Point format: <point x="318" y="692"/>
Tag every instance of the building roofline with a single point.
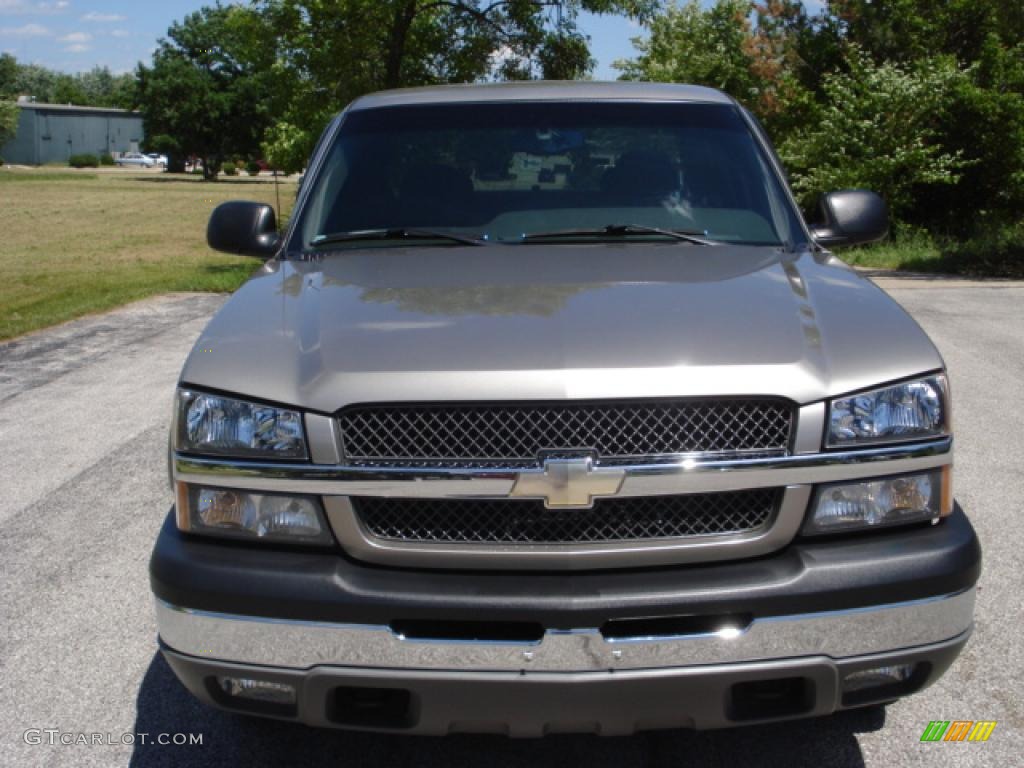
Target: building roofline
<point x="76" y="108"/>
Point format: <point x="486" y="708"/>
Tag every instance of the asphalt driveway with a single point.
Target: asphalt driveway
<point x="83" y="430"/>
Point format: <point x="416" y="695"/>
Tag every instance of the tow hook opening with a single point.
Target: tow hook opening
<point x="772" y="698"/>
<point x="371" y="707"/>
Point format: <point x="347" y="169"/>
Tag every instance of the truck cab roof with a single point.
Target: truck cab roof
<point x="545" y="90"/>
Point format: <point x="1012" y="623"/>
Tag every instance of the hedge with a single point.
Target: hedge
<point x="84" y="161"/>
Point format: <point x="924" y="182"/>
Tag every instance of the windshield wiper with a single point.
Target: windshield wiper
<point x="395" y="233"/>
<point x="621" y="230"/>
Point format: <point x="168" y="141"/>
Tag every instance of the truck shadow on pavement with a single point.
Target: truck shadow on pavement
<point x="165" y="707"/>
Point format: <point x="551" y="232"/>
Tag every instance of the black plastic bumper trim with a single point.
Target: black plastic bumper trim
<point x="807" y="576"/>
<point x="537" y="704"/>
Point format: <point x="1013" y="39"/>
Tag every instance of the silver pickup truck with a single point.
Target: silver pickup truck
<point x="548" y="412"/>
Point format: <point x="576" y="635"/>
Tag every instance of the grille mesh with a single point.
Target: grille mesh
<point x="529" y="522"/>
<point x="468" y="435"/>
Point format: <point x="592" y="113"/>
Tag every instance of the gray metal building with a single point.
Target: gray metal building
<point x="51" y="133"/>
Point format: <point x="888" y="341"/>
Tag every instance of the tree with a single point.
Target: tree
<point x="101" y="88"/>
<point x="67" y="90"/>
<point x="984" y="124"/>
<point x="33" y="80"/>
<point x="210" y="89"/>
<point x="98" y="87"/>
<point x="910" y="30"/>
<point x="8" y="121"/>
<point x="332" y="52"/>
<point x="983" y="119"/>
<point x="8" y="90"/>
<point x="689" y="44"/>
<point x="743" y="48"/>
<point x="8" y="76"/>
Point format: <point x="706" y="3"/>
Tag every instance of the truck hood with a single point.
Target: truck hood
<point x="526" y="322"/>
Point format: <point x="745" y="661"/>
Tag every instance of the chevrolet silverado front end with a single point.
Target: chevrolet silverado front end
<point x="548" y="413"/>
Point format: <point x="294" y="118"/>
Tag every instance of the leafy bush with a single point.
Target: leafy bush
<point x="228" y="168"/>
<point x="84" y="160"/>
<point x="1" y="162"/>
<point x="876" y="129"/>
<point x="106" y="159"/>
<point x="252" y="168"/>
<point x="995" y="253"/>
<point x="287" y="146"/>
<point x="985" y="124"/>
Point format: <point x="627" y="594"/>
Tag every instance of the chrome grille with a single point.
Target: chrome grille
<point x="521" y="434"/>
<point x="470" y="521"/>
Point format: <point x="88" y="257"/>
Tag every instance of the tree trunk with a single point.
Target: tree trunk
<point x="211" y="165"/>
<point x="404" y="15"/>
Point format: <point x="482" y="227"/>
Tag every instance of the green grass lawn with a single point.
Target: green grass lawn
<point x="915" y="254"/>
<point x="916" y="257"/>
<point x="82" y="242"/>
<point x="996" y="252"/>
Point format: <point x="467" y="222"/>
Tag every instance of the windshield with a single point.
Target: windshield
<point x="510" y="171"/>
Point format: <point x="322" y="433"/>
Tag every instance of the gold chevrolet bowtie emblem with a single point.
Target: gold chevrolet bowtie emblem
<point x="571" y="482"/>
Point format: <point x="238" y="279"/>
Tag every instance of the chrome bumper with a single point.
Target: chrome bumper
<point x="306" y="644"/>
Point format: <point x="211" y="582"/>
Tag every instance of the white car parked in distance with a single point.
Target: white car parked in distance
<point x="135" y="158"/>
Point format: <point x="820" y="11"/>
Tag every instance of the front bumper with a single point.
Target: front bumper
<point x="794" y="623"/>
<point x="611" y="703"/>
<point x="307" y="644"/>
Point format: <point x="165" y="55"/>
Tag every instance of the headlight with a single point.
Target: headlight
<point x="911" y="410"/>
<point x="902" y="499"/>
<point x="224" y="426"/>
<point x="244" y="515"/>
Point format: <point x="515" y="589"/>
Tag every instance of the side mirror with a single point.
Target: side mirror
<point x="851" y="217"/>
<point x="245" y="228"/>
